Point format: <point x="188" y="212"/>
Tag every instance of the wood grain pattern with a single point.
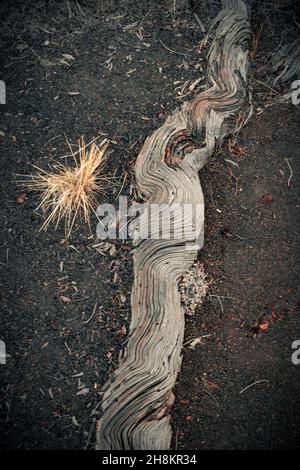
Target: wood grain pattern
<point x="138" y="397"/>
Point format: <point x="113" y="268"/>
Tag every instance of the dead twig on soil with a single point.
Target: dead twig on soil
<point x="198" y="340"/>
<point x="219" y="300"/>
<point x="291" y="171"/>
<point x="171" y="50"/>
<point x="251" y="385"/>
<point x="211" y="396"/>
<point x="176" y="439"/>
<point x="267" y="86"/>
<point x="122" y="186"/>
<point x="93" y="313"/>
<point x="199" y="22"/>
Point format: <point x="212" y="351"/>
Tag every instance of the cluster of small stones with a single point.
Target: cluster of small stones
<point x="193" y="288"/>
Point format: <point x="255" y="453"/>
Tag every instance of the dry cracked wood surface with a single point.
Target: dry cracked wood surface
<point x="138" y="397"/>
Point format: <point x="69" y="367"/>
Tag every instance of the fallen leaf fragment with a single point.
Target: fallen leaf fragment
<point x="20" y="199"/>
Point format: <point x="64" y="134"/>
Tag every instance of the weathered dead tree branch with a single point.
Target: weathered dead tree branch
<point x="138" y="397"/>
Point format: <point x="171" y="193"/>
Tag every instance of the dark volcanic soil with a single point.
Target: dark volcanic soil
<point x="66" y="307"/>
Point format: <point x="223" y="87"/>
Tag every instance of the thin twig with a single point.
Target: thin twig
<point x="201" y="25"/>
<point x="221" y="296"/>
<point x="254" y="383"/>
<point x="203" y="43"/>
<point x="122" y="186"/>
<point x="211" y="395"/>
<point x="291" y="171"/>
<point x="220" y="302"/>
<point x="267" y="86"/>
<point x="171" y="50"/>
<point x="94" y="310"/>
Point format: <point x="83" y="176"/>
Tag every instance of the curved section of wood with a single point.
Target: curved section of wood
<point x="138" y="397"/>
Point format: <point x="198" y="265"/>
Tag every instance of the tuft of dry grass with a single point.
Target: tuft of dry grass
<point x="69" y="192"/>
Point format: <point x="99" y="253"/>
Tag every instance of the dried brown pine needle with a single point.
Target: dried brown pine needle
<point x="68" y="192"/>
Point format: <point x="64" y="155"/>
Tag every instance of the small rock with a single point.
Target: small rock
<point x="20" y="199"/>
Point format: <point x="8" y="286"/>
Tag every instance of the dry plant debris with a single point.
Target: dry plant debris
<point x="70" y="191"/>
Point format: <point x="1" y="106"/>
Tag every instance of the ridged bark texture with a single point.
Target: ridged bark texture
<point x="138" y="397"/>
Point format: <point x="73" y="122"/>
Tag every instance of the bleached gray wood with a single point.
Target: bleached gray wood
<point x="138" y="397"/>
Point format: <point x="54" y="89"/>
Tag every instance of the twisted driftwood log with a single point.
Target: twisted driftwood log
<point x="138" y="397"/>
